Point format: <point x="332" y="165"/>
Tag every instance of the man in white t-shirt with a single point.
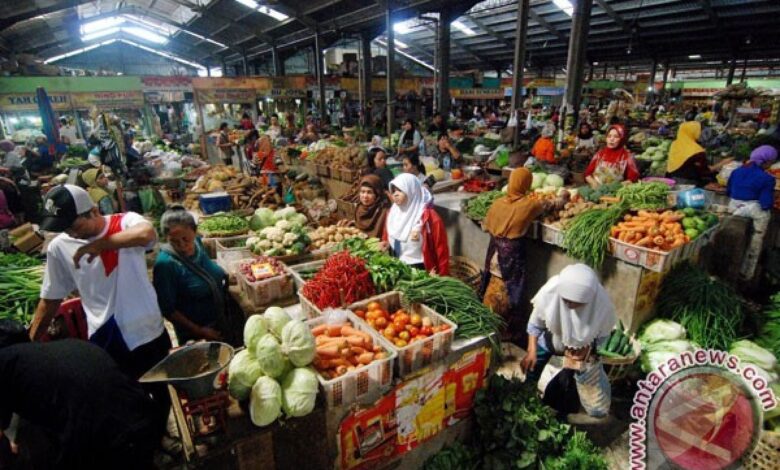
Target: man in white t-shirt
<point x="102" y="257"/>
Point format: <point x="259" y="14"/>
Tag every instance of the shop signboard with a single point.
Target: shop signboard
<point x="12" y="102"/>
<point x="604" y="84"/>
<point x="104" y="100"/>
<point x="749" y="111"/>
<point x="477" y="93"/>
<point x="231" y="83"/>
<point x="702" y="92"/>
<point x="288" y="93"/>
<point x="166" y="84"/>
<point x="157" y="97"/>
<point x="549" y="91"/>
<point x="225" y="95"/>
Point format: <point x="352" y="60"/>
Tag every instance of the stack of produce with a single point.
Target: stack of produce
<point x="769" y="335"/>
<point x="321" y="210"/>
<point x="261" y="268"/>
<point x="280" y="233"/>
<point x="348" y="158"/>
<point x="595" y="195"/>
<point x="400" y="327"/>
<point x="21" y="277"/>
<point x="561" y="219"/>
<point x="272" y="372"/>
<point x="543" y="182"/>
<point x="709" y="310"/>
<point x="223" y="225"/>
<point x="70" y="162"/>
<point x="516" y="430"/>
<point x="641" y="195"/>
<point x="656" y="151"/>
<point x="342" y="280"/>
<point x="327" y="238"/>
<point x="386" y="271"/>
<point x="455" y="300"/>
<point x="477" y="207"/>
<point x="657" y="231"/>
<point x="765" y="363"/>
<point x="587" y="236"/>
<point x="618" y="345"/>
<point x="342" y="349"/>
<point x="249" y="192"/>
<point x="661" y="340"/>
<point x="216" y="178"/>
<point x="696" y="222"/>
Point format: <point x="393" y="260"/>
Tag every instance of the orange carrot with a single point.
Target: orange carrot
<point x="319" y="329"/>
<point x="358" y="341"/>
<point x="347" y="330"/>
<point x="358" y="350"/>
<point x="327" y="351"/>
<point x="366" y="358"/>
<point x="335" y="330"/>
<point x="380" y="355"/>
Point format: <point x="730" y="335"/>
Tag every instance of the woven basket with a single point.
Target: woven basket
<point x="766" y="455"/>
<point x="467" y="271"/>
<point x="617" y="368"/>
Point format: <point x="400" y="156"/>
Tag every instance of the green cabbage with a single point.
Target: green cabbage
<point x="298" y="219"/>
<point x="750" y="352"/>
<point x="298" y="343"/>
<point x="269" y="355"/>
<point x="662" y="330"/>
<point x="675" y="346"/>
<point x="277" y="318"/>
<point x="255" y="328"/>
<point x="263" y="217"/>
<point x="299" y="392"/>
<point x="651" y="361"/>
<point x="284" y="213"/>
<point x="538" y="180"/>
<point x="266" y="401"/>
<point x="553" y="180"/>
<point x="243" y="372"/>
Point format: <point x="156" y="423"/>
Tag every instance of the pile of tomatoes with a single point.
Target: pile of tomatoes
<point x="400" y="328"/>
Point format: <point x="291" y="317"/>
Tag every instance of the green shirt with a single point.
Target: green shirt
<point x="178" y="288"/>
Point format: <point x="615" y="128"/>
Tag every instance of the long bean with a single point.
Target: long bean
<point x="21" y="277"/>
<point x="587" y="236"/>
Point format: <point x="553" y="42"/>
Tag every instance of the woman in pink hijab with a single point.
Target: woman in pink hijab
<point x="7" y="219"/>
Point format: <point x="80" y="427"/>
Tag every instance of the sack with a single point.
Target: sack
<point x="559" y="388"/>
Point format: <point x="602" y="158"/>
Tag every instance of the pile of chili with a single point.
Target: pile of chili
<point x="343" y="280"/>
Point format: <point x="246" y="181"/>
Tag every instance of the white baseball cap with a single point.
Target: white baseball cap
<point x="63" y="204"/>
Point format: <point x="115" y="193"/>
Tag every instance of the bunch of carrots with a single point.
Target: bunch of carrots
<point x="342" y="348"/>
<point x="659" y="231"/>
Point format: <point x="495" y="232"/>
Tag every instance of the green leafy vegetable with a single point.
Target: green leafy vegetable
<point x="645" y="195"/>
<point x="223" y="225"/>
<point x="587" y="236"/>
<point x="21" y="277"/>
<point x="477" y="207"/>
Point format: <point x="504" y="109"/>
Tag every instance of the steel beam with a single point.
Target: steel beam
<point x="390" y="74"/>
<point x="320" y="74"/>
<point x="578" y="43"/>
<point x="521" y="35"/>
<point x="443" y="39"/>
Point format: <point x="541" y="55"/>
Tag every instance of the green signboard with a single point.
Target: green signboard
<point x="69" y="84"/>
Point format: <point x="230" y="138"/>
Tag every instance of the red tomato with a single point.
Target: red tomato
<point x="371" y="323"/>
<point x="416" y="320"/>
<point x="400" y="343"/>
<point x="374" y="306"/>
<point x="413" y="330"/>
<point x="404" y="335"/>
<point x="389" y="332"/>
<point x="381" y="322"/>
<point x="426" y="331"/>
<point x="360" y="313"/>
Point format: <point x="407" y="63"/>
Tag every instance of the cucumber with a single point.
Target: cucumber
<point x="627" y="349"/>
<point x="605" y="353"/>
<point x="614" y="340"/>
<point x="622" y="344"/>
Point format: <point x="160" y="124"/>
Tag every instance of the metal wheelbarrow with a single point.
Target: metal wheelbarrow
<point x="192" y="369"/>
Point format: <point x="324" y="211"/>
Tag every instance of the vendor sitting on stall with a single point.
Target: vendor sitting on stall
<point x="415" y="232"/>
<point x="507" y="221"/>
<point x="190" y="286"/>
<point x="572" y="315"/>
<point x="585" y="140"/>
<point x="39" y="161"/>
<point x="448" y="156"/>
<point x="409" y="142"/>
<point x="371" y="212"/>
<point x="225" y="145"/>
<point x="751" y="190"/>
<point x="544" y="148"/>
<point x="97" y="185"/>
<point x="613" y="163"/>
<point x="246" y="122"/>
<point x="438" y="125"/>
<point x="309" y="134"/>
<point x="687" y="162"/>
<point x="377" y="165"/>
<point x="274" y="129"/>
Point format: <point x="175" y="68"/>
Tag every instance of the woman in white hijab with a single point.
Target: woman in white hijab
<point x="414" y="230"/>
<point x="572" y="316"/>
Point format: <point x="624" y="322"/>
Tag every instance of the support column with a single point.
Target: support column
<point x="390" y="68"/>
<point x="651" y="93"/>
<point x="521" y="37"/>
<point x="278" y="68"/>
<point x="744" y="70"/>
<point x="245" y="65"/>
<point x="604" y="76"/>
<point x="590" y="73"/>
<point x="320" y="74"/>
<point x="365" y="68"/>
<point x="578" y="42"/>
<point x="666" y="79"/>
<point x="443" y="52"/>
<point x="732" y="69"/>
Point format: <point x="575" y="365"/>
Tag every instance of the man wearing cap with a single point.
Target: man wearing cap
<point x="102" y="257"/>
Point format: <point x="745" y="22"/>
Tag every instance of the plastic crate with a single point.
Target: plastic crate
<point x="296" y="270"/>
<point x="261" y="293"/>
<point x="307" y="307"/>
<point x="215" y="202"/>
<point x="657" y="260"/>
<point x="210" y="243"/>
<point x="367" y="380"/>
<point x="552" y="235"/>
<point x="419" y="354"/>
<point x="228" y="255"/>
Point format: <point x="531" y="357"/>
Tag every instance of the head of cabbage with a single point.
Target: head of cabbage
<point x="299" y="392"/>
<point x="269" y="356"/>
<point x="263" y="217"/>
<point x="662" y="330"/>
<point x="243" y="372"/>
<point x="298" y="343"/>
<point x="277" y="318"/>
<point x="255" y="328"/>
<point x="265" y="404"/>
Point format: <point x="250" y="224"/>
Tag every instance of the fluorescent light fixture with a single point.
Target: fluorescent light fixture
<point x="99" y="34"/>
<point x="215" y="72"/>
<point x="78" y="51"/>
<point x="268" y="11"/>
<point x="92" y="26"/>
<point x="404" y="27"/>
<point x="595" y="63"/>
<point x="408" y="56"/>
<point x="457" y="24"/>
<point x="277" y="15"/>
<point x="144" y="33"/>
<point x="204" y="38"/>
<point x="694" y="56"/>
<point x="564" y="5"/>
<point x="649" y="88"/>
<point x="163" y="54"/>
<point x="400" y="44"/>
